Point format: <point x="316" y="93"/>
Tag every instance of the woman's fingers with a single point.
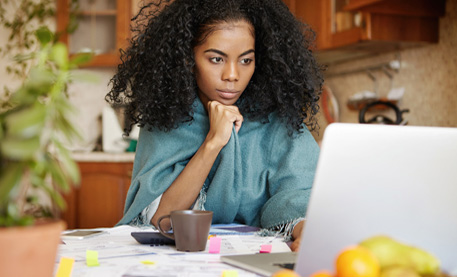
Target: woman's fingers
<point x="232" y="113"/>
<point x="222" y="119"/>
<point x="295" y="246"/>
<point x="238" y="122"/>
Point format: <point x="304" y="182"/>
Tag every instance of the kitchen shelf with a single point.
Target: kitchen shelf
<point x="351" y="29"/>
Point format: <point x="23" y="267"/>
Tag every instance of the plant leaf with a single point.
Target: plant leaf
<point x="58" y="199"/>
<point x="54" y="195"/>
<point x="13" y="217"/>
<point x="24" y="57"/>
<point x="21" y="149"/>
<point x="67" y="128"/>
<point x="40" y="81"/>
<point x="27" y="122"/>
<point x="44" y="35"/>
<point x="59" y="54"/>
<point x="68" y="164"/>
<point x="81" y="58"/>
<point x="10" y="177"/>
<point x="58" y="175"/>
<point x="1" y="128"/>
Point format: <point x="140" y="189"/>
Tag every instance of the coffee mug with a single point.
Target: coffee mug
<point x="190" y="229"/>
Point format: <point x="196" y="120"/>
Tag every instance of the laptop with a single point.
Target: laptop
<point x="399" y="181"/>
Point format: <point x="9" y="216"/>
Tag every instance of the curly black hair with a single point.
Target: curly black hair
<point x="155" y="78"/>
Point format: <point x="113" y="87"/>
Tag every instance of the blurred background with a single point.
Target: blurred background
<point x="386" y="62"/>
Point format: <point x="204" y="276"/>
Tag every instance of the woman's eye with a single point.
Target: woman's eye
<point x="216" y="60"/>
<point x="246" y="61"/>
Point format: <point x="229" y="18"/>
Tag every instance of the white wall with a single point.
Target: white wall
<point x="89" y="98"/>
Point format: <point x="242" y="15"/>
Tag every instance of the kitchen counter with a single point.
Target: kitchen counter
<point x="103" y="157"/>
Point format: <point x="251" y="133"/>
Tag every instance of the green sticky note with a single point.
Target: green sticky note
<point x="229" y="273"/>
<point x="65" y="267"/>
<point x="92" y="258"/>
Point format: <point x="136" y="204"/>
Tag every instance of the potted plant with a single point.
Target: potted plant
<point x="35" y="166"/>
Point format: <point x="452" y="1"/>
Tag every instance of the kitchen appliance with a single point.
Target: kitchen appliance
<point x="381" y="118"/>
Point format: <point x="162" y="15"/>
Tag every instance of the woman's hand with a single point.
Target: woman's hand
<point x="296" y="235"/>
<point x="221" y="119"/>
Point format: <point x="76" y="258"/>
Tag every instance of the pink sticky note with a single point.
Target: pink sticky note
<point x="215" y="245"/>
<point x="265" y="248"/>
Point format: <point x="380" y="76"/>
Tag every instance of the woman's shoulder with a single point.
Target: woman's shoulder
<point x="274" y="127"/>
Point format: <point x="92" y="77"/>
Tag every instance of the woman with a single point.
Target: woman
<point x="225" y="93"/>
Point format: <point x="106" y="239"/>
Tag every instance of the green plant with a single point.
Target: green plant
<point x="22" y="18"/>
<point x="34" y="163"/>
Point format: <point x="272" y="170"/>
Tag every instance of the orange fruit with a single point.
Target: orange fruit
<point x="285" y="273"/>
<point x="322" y="273"/>
<point x="357" y="261"/>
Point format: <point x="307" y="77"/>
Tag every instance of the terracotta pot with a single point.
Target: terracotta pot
<point x="31" y="250"/>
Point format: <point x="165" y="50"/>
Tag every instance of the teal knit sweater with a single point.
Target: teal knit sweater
<point x="262" y="177"/>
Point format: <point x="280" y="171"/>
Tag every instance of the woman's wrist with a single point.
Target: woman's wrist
<point x="212" y="144"/>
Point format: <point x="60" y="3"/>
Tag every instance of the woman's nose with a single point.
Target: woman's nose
<point x="230" y="72"/>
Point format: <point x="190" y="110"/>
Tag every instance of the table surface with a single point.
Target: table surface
<point x="119" y="254"/>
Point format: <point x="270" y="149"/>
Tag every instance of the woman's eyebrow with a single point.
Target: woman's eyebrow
<point x="225" y="55"/>
<point x="216" y="51"/>
<point x="247" y="52"/>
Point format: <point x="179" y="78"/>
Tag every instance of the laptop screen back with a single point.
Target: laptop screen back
<point x="399" y="181"/>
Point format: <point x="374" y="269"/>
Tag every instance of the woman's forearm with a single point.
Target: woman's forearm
<point x="183" y="192"/>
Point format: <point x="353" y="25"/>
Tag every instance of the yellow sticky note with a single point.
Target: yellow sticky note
<point x="92" y="258"/>
<point x="229" y="273"/>
<point x="65" y="267"/>
<point x="147" y="262"/>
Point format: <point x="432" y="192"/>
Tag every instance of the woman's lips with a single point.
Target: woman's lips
<point x="228" y="94"/>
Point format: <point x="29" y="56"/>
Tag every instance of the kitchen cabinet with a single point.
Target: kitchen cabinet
<point x="103" y="26"/>
<point x="348" y="29"/>
<point x="99" y="200"/>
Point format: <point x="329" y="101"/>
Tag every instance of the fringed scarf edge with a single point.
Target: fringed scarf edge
<point x="283" y="229"/>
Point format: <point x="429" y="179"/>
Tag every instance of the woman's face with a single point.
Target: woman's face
<point x="225" y="62"/>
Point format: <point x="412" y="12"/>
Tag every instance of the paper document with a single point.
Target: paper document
<point x="119" y="254"/>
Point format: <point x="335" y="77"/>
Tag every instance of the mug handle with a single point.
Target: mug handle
<point x="168" y="235"/>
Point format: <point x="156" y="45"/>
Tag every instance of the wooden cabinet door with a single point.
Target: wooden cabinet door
<point x="103" y="26"/>
<point x="348" y="29"/>
<point x="99" y="200"/>
<point x="317" y="14"/>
